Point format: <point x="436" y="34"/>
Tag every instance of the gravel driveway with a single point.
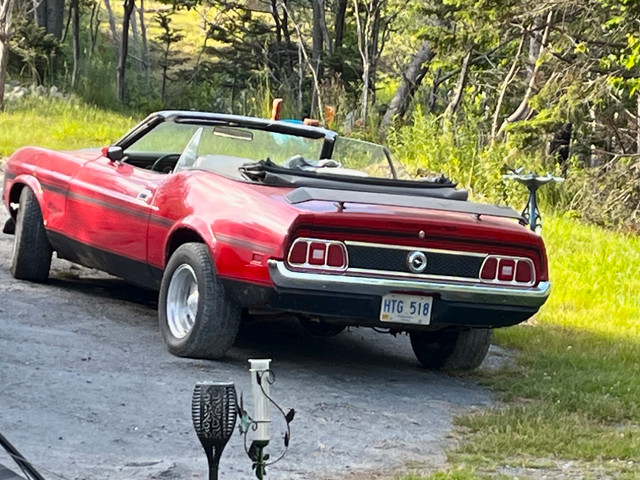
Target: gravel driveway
<point x="89" y="391"/>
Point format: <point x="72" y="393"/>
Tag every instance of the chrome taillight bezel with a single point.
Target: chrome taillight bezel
<point x="500" y="259"/>
<point x="307" y="265"/>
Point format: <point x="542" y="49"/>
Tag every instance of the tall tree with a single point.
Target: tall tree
<point x="50" y="15"/>
<point x="320" y="41"/>
<point x="129" y="6"/>
<point x="6" y="8"/>
<point x="74" y="12"/>
<point x="410" y="80"/>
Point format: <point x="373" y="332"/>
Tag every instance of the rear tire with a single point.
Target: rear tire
<point x="31" y="249"/>
<point x="196" y="317"/>
<point x="451" y="349"/>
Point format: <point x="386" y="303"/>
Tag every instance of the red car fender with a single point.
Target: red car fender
<point x="184" y="231"/>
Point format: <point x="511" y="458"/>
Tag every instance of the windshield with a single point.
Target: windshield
<point x="226" y="148"/>
<point x="370" y="158"/>
<point x="250" y="144"/>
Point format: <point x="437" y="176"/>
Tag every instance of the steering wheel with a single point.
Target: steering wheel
<point x="166" y="156"/>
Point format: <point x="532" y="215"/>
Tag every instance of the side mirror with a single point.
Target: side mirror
<point x="113" y="153"/>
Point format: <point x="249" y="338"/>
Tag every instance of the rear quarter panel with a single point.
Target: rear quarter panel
<point x="243" y="224"/>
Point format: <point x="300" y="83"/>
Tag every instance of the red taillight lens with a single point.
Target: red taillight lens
<point x="506" y="270"/>
<point x="317" y="253"/>
<point x="489" y="269"/>
<point x="298" y="253"/>
<point x="336" y="256"/>
<point x="524" y="272"/>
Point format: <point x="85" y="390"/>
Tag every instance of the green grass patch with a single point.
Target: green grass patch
<point x="572" y="396"/>
<point x="58" y="124"/>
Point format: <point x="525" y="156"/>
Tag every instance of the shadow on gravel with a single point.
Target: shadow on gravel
<point x="285" y="339"/>
<point x="353" y="348"/>
<point x="109" y="287"/>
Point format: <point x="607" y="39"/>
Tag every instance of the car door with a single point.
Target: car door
<point x="107" y="211"/>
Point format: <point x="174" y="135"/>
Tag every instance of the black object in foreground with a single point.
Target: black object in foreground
<point x="24" y="465"/>
<point x="214" y="411"/>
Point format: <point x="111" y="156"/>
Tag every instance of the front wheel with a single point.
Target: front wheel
<point x="460" y="349"/>
<point x="196" y="317"/>
<point x="31" y="249"/>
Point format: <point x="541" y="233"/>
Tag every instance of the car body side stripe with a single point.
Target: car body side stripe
<point x="165" y="222"/>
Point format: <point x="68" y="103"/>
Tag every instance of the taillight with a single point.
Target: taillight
<point x="524" y="272"/>
<point x="318" y="254"/>
<point x="507" y="270"/>
<point x="298" y="253"/>
<point x="489" y="269"/>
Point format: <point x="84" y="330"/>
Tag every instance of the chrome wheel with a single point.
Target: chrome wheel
<point x="195" y="316"/>
<point x="182" y="301"/>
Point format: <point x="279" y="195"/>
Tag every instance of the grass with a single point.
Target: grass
<point x="58" y="125"/>
<point x="572" y="396"/>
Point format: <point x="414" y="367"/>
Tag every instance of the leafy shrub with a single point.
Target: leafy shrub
<point x="428" y="146"/>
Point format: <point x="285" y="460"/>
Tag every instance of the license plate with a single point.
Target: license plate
<point x="411" y="309"/>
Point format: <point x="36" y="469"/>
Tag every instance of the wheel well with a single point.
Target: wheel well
<point x="180" y="237"/>
<point x="14" y="197"/>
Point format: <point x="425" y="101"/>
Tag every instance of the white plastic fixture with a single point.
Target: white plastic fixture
<point x="261" y="405"/>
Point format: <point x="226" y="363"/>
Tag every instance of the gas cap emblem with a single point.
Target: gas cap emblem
<point x="417" y="262"/>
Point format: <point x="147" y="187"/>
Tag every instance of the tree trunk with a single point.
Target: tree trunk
<point x="94" y="25"/>
<point x="6" y="7"/>
<point x="317" y="46"/>
<point x="278" y="48"/>
<point x="165" y="67"/>
<point x="122" y="63"/>
<point x="113" y="28"/>
<point x="75" y="8"/>
<point x="462" y="81"/>
<point x="523" y="108"/>
<point x="411" y="79"/>
<point x="136" y="41"/>
<point x="146" y="56"/>
<point x="638" y="122"/>
<point x="366" y="65"/>
<point x="374" y="52"/>
<point x="50" y="15"/>
<point x="503" y="90"/>
<point x="341" y="9"/>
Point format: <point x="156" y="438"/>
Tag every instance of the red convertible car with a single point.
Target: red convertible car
<point x="233" y="217"/>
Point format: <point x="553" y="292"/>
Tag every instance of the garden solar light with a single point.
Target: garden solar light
<point x="214" y="408"/>
<point x="261" y="406"/>
<point x="259" y="424"/>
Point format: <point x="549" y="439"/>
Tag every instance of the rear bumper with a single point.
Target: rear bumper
<point x="357" y="300"/>
<point x="478" y="294"/>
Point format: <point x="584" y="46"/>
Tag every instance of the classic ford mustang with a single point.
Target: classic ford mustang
<point x="233" y="217"/>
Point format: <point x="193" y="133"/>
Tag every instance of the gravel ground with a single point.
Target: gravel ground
<point x="88" y="390"/>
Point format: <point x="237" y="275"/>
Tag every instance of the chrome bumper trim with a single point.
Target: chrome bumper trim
<point x="534" y="297"/>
